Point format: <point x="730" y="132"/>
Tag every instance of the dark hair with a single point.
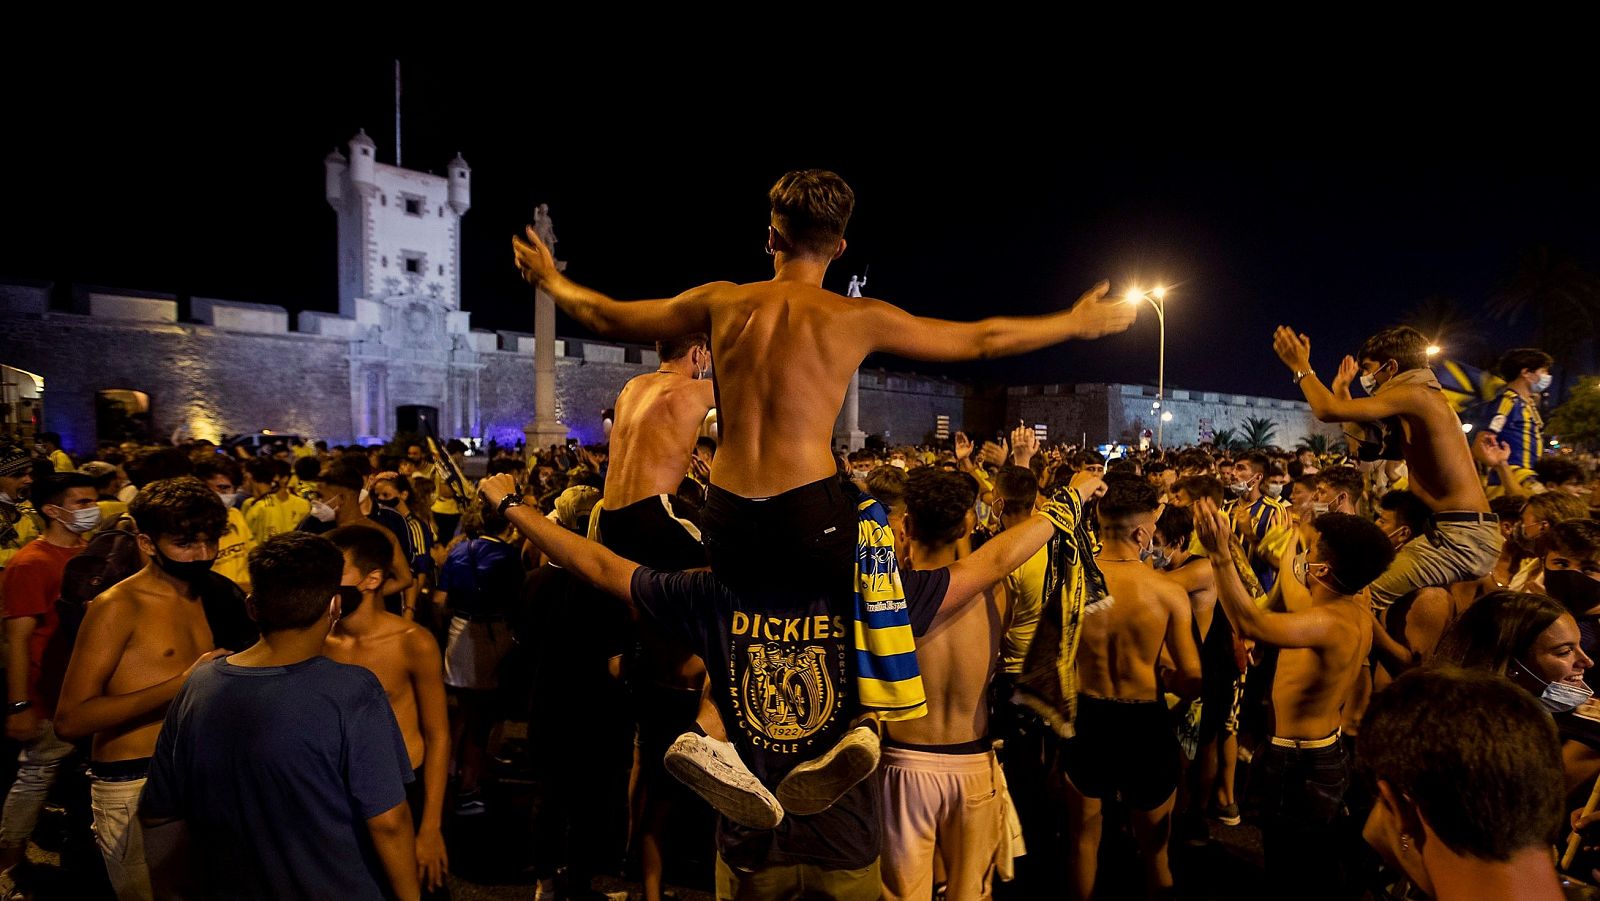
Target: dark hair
<point x="1194" y="458"/>
<point x="1017" y="487"/>
<point x="1498" y="627"/>
<point x="1355" y="549"/>
<point x="51" y="438"/>
<point x="888" y="485"/>
<point x="178" y="508"/>
<point x="293" y="576"/>
<point x="1554" y="507"/>
<point x="1198" y="487"/>
<point x="1342" y="478"/>
<point x="1513" y="361"/>
<point x="400" y="484"/>
<point x="1479" y="757"/>
<point x="153" y="466"/>
<point x="1257" y="461"/>
<point x="506" y="464"/>
<point x="266" y="469"/>
<point x="1088" y="458"/>
<point x="1553" y="470"/>
<point x="810" y="209"/>
<point x="1126" y="496"/>
<point x="307" y="469"/>
<point x="1577" y="537"/>
<point x="707" y="442"/>
<point x="866" y="453"/>
<point x="1175" y="526"/>
<point x="50" y="490"/>
<point x="345" y="473"/>
<point x="1508" y="507"/>
<point x="369" y="547"/>
<point x="677" y="348"/>
<point x="1402" y="344"/>
<point x="937" y="502"/>
<point x="1412" y="511"/>
<point x="218" y="465"/>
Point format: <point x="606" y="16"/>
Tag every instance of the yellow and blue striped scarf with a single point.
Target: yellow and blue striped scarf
<point x="888" y="681"/>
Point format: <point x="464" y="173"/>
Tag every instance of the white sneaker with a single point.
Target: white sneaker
<point x="714" y="771"/>
<point x="815" y="785"/>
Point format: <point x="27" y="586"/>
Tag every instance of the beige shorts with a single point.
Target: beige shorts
<point x="949" y="804"/>
<point x="472" y="656"/>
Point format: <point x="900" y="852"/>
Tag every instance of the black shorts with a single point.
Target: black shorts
<point x="1219" y="674"/>
<point x="658" y="532"/>
<point x="806" y="535"/>
<point x="1122" y="749"/>
<point x="665" y="712"/>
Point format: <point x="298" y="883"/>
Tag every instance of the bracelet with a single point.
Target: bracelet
<point x="18" y="707"/>
<point x="1298" y="376"/>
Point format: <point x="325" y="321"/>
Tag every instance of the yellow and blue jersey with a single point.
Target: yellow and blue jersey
<point x="1516" y="423"/>
<point x="1261" y="517"/>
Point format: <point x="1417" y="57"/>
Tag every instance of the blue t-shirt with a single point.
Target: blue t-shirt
<point x="275" y="771"/>
<point x="782" y="673"/>
<point x="483" y="576"/>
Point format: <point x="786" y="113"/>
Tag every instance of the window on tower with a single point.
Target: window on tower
<point x="413" y="265"/>
<point x="413" y="206"/>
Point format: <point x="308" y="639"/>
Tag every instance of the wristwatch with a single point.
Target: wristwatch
<point x="1302" y="374"/>
<point x="17" y="707"/>
<point x="507" y="502"/>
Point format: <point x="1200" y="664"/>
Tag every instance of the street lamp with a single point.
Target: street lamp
<point x="1433" y="350"/>
<point x="1157" y="298"/>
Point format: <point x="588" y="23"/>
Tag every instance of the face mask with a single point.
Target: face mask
<point x="350" y="598"/>
<point x="1146" y="551"/>
<point x="231" y="499"/>
<point x="322" y="512"/>
<point x="83" y="520"/>
<point x="1240" y="488"/>
<point x="898" y="464"/>
<point x="1557" y="697"/>
<point x="1369" y="383"/>
<point x="190" y="571"/>
<point x="1274" y="489"/>
<point x="1161" y="560"/>
<point x="1301" y="569"/>
<point x="859" y="475"/>
<point x="7" y="499"/>
<point x="1318" y="508"/>
<point x="390" y="502"/>
<point x="1542" y="383"/>
<point x="1576" y="591"/>
<point x="1394" y="538"/>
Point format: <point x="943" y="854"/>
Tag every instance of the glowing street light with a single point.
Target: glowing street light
<point x="1157" y="297"/>
<point x="1433" y="350"/>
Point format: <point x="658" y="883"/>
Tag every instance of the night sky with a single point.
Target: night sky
<point x="204" y="177"/>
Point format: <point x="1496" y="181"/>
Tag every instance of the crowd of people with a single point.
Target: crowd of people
<point x="983" y="667"/>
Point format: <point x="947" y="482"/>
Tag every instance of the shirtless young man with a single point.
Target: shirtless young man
<point x="138" y="644"/>
<point x="405" y="658"/>
<point x="786" y="350"/>
<point x="658" y="418"/>
<point x="1124" y="744"/>
<point x="939" y="774"/>
<point x="1304" y="770"/>
<point x="1393" y="368"/>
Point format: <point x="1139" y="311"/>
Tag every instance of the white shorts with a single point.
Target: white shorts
<point x="472" y="656"/>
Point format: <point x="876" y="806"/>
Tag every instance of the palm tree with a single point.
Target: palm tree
<point x="1258" y="432"/>
<point x="1225" y="439"/>
<point x="1564" y="299"/>
<point x="1317" y="443"/>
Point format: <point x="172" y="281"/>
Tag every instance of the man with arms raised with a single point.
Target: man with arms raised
<point x="1124" y="744"/>
<point x="1304" y="769"/>
<point x="1407" y="401"/>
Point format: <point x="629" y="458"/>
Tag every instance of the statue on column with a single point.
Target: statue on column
<point x="858" y="283"/>
<point x="544" y="228"/>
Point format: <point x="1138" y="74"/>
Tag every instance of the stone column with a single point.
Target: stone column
<point x="850" y="433"/>
<point x="545" y="429"/>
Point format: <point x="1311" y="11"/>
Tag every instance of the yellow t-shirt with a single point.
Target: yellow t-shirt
<point x="1026" y="587"/>
<point x="233" y="548"/>
<point x="62" y="462"/>
<point x="13" y="535"/>
<point x="269" y="516"/>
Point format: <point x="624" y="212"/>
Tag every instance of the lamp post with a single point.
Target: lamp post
<point x="1157" y="299"/>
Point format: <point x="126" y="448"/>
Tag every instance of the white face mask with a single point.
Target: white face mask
<point x="1543" y="383"/>
<point x="231" y="499"/>
<point x="322" y="512"/>
<point x="1557" y="697"/>
<point x="1274" y="489"/>
<point x="1318" y="508"/>
<point x="1369" y="383"/>
<point x="83" y="520"/>
<point x="7" y="499"/>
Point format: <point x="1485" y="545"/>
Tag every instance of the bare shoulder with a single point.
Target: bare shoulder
<point x="122" y="599"/>
<point x="419" y="643"/>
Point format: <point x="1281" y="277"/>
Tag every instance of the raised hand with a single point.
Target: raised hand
<point x="1491" y="451"/>
<point x="1349" y="369"/>
<point x="1211" y="525"/>
<point x="963" y="447"/>
<point x="993" y="453"/>
<point x="534" y="260"/>
<point x="1024" y="444"/>
<point x="1094" y="316"/>
<point x="1292" y="348"/>
<point x="1088" y="485"/>
<point x="495" y="488"/>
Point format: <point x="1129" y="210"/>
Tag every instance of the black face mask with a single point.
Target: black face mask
<point x="350" y="598"/>
<point x="189" y="572"/>
<point x="1576" y="591"/>
<point x="390" y="502"/>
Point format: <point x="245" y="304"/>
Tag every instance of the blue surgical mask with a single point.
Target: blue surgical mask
<point x="1557" y="697"/>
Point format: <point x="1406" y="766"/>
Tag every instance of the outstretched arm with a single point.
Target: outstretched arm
<point x="589" y="560"/>
<point x="895" y="331"/>
<point x="638" y="320"/>
<point x="1335" y="404"/>
<point x="1307" y="629"/>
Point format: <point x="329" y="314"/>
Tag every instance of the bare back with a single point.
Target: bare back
<point x="1194" y="576"/>
<point x="169" y="632"/>
<point x="957" y="659"/>
<point x="1437" y="456"/>
<point x="1313" y="684"/>
<point x="785" y="353"/>
<point x="383" y="651"/>
<point x="1120" y="645"/>
<point x="658" y="416"/>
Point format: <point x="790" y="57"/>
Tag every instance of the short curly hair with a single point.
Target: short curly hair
<point x="183" y="509"/>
